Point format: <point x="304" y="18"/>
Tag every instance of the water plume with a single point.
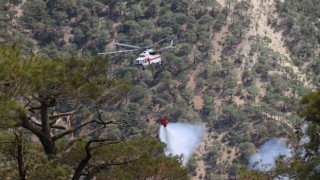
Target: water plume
<point x="181" y="139"/>
<point x="264" y="160"/>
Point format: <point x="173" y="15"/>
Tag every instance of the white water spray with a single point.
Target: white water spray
<point x="181" y="138"/>
<point x="264" y="160"/>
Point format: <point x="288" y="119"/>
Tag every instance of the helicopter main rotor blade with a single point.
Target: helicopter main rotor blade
<point x="116" y="52"/>
<point x="128" y="45"/>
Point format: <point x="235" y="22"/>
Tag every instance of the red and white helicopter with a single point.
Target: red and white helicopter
<point x="148" y="56"/>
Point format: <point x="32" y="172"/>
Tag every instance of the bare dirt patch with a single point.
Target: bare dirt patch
<point x="221" y="2"/>
<point x="67" y="36"/>
<point x="199" y="152"/>
<point x="198" y="102"/>
<point x="19" y="9"/>
<point x="239" y="102"/>
<point x="192" y="79"/>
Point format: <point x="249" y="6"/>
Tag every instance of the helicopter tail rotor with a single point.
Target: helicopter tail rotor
<point x="163" y="39"/>
<point x="167" y="47"/>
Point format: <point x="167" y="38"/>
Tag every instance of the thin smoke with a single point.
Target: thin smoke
<point x="181" y="139"/>
<point x="264" y="160"/>
<point x="305" y="138"/>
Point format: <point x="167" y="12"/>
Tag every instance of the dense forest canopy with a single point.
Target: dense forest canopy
<point x="240" y="67"/>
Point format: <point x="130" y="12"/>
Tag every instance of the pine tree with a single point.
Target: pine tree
<point x="62" y="103"/>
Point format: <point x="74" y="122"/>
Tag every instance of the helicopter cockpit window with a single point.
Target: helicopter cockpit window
<point x="153" y="53"/>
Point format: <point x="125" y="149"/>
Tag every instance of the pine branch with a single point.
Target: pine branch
<point x="72" y="141"/>
<point x="60" y="135"/>
<point x="63" y="114"/>
<point x="54" y="127"/>
<point x="99" y="168"/>
<point x="27" y="123"/>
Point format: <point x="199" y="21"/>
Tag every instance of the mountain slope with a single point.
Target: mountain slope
<point x="232" y="68"/>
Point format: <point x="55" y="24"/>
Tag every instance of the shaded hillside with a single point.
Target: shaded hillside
<point x="299" y="22"/>
<point x="234" y="66"/>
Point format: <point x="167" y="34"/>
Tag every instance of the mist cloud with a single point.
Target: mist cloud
<point x="264" y="160"/>
<point x="181" y="138"/>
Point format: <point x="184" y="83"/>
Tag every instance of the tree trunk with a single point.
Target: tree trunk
<point x="44" y="118"/>
<point x="49" y="146"/>
<point x="45" y="138"/>
<point x="78" y="172"/>
<point x="20" y="156"/>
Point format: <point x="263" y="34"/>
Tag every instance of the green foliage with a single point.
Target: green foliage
<point x="192" y="165"/>
<point x="50" y="170"/>
<point x="233" y="170"/>
<point x="10" y="113"/>
<point x="214" y="152"/>
<point x="247" y="148"/>
<point x="38" y="166"/>
<point x="245" y="174"/>
<point x="74" y="155"/>
<point x="311" y="105"/>
<point x="138" y="158"/>
<point x="253" y="91"/>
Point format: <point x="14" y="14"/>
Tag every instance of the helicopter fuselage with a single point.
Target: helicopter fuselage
<point x="147" y="57"/>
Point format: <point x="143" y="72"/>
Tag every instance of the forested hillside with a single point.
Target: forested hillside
<point x="239" y="66"/>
